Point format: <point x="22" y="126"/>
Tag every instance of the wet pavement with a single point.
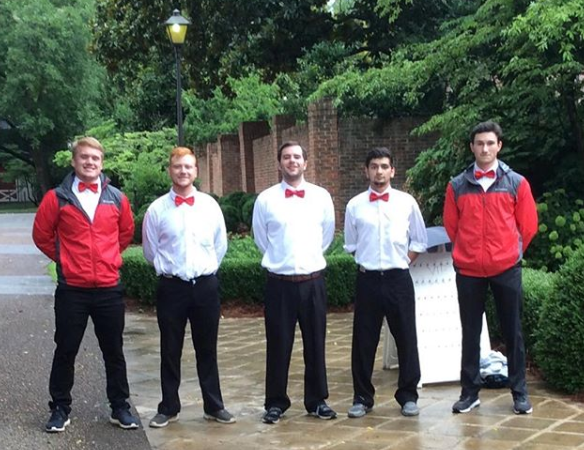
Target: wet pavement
<point x="557" y="423"/>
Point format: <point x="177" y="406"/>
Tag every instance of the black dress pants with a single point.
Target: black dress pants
<point x="288" y="302"/>
<point x="508" y="296"/>
<point x="176" y="302"/>
<point x="388" y="294"/>
<point x="73" y="307"/>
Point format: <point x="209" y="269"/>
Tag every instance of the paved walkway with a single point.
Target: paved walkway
<point x="26" y="349"/>
<point x="556" y="424"/>
<point x="26" y="327"/>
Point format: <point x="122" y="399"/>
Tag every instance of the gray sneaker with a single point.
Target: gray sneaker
<point x="161" y="420"/>
<point x="221" y="416"/>
<point x="522" y="405"/>
<point x="410" y="409"/>
<point x="358" y="410"/>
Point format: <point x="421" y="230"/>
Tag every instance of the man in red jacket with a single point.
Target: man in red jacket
<point x="490" y="217"/>
<point x="84" y="225"/>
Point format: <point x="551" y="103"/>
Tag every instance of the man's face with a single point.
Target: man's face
<point x="183" y="171"/>
<point x="379" y="172"/>
<point x="87" y="163"/>
<point x="485" y="148"/>
<point x="292" y="164"/>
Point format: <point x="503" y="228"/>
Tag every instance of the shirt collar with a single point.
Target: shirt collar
<point x="173" y="194"/>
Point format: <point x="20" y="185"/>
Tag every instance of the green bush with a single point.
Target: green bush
<point x="242" y="277"/>
<point x="341" y="273"/>
<point x="561" y="230"/>
<point x="560" y="332"/>
<point x="138" y="277"/>
<point x="237" y="209"/>
<point x="538" y="286"/>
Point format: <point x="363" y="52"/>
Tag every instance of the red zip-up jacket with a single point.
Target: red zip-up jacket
<point x="88" y="254"/>
<point x="489" y="230"/>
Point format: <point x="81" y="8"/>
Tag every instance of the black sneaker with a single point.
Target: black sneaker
<point x="465" y="404"/>
<point x="221" y="416"/>
<point x="272" y="415"/>
<point x="123" y="418"/>
<point x="58" y="421"/>
<point x="323" y="411"/>
<point x="522" y="405"/>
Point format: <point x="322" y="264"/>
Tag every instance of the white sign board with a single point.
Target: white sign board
<point x="437" y="320"/>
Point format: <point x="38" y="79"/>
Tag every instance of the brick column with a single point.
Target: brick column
<point x="216" y="175"/>
<point x="323" y="137"/>
<point x="203" y="167"/>
<point x="248" y="131"/>
<point x="228" y="149"/>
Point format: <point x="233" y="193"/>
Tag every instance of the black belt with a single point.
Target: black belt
<point x="295" y="278"/>
<point x="377" y="272"/>
<point x="192" y="280"/>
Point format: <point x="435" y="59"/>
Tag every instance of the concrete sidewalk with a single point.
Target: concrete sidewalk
<point x="556" y="424"/>
<point x="26" y="334"/>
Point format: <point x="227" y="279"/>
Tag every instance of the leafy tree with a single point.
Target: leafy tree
<point x="252" y="100"/>
<point x="515" y="61"/>
<point x="49" y="85"/>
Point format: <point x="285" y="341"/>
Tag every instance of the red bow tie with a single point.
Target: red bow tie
<point x="91" y="186"/>
<point x="374" y="197"/>
<point x="480" y="174"/>
<point x="180" y="200"/>
<point x="289" y="193"/>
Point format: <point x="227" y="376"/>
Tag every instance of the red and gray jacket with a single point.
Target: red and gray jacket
<point x="489" y="230"/>
<point x="88" y="254"/>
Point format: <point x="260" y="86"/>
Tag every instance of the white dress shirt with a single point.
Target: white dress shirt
<point x="487" y="182"/>
<point x="87" y="198"/>
<point x="380" y="233"/>
<point x="184" y="241"/>
<point x="293" y="233"/>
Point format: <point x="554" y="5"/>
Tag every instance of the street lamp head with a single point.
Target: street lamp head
<point x="176" y="27"/>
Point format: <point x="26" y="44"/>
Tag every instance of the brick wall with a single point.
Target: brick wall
<point x="336" y="152"/>
<point x="203" y="168"/>
<point x="265" y="163"/>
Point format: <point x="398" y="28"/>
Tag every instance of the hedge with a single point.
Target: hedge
<point x="241" y="279"/>
<point x="559" y="335"/>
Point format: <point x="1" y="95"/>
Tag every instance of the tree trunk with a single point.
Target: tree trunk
<point x="41" y="166"/>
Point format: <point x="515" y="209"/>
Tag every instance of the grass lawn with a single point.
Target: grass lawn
<point x="17" y="207"/>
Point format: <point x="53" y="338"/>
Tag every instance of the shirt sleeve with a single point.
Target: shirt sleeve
<point x="526" y="214"/>
<point x="126" y="224"/>
<point x="220" y="235"/>
<point x="418" y="235"/>
<point x="150" y="236"/>
<point x="259" y="230"/>
<point x="44" y="231"/>
<point x="350" y="231"/>
<point x="328" y="226"/>
<point x="450" y="214"/>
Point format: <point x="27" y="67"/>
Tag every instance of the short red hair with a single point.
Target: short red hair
<point x="179" y="152"/>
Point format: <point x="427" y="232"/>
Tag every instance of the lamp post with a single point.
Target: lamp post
<point x="176" y="28"/>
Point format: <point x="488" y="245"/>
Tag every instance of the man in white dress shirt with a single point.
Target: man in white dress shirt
<point x="184" y="238"/>
<point x="385" y="231"/>
<point x="293" y="225"/>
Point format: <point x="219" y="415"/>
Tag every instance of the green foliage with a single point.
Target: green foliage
<point x="241" y="275"/>
<point x="538" y="287"/>
<point x="237" y="209"/>
<point x="340" y="275"/>
<point x="50" y="86"/>
<point x="251" y="100"/>
<point x="138" y="277"/>
<point x="561" y="230"/>
<point x="560" y="332"/>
